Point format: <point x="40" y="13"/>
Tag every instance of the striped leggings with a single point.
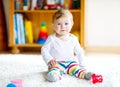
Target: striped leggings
<point x="65" y="67"/>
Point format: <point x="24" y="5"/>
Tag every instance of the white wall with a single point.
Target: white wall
<point x="102" y="22"/>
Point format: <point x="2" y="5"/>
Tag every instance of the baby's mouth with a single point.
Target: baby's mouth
<point x="63" y="30"/>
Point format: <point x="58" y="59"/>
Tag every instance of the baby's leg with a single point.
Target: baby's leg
<point x="54" y="74"/>
<point x="75" y="70"/>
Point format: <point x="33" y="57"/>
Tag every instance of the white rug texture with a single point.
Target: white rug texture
<point x="32" y="70"/>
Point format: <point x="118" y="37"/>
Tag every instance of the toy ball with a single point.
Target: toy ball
<point x="11" y="85"/>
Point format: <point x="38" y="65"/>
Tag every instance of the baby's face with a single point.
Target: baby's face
<point x="63" y="26"/>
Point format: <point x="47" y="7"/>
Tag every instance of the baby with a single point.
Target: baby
<point x="60" y="48"/>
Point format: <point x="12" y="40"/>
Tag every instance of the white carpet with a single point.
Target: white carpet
<point x="31" y="69"/>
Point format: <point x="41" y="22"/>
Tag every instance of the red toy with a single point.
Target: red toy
<point x="51" y="4"/>
<point x="97" y="78"/>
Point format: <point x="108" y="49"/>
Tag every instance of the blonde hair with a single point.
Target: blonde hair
<point x="62" y="13"/>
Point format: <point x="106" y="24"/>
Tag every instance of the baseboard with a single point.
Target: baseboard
<point x="103" y="49"/>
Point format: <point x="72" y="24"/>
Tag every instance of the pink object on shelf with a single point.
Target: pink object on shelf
<point x="97" y="78"/>
<point x="17" y="82"/>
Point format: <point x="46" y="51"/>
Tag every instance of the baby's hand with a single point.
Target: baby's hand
<point x="52" y="63"/>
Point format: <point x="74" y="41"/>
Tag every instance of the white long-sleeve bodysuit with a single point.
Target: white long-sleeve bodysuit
<point x="62" y="50"/>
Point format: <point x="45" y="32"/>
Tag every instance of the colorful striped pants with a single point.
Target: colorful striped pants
<point x="65" y="67"/>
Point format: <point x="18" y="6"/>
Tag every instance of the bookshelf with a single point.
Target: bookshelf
<point x="3" y="33"/>
<point x="38" y="16"/>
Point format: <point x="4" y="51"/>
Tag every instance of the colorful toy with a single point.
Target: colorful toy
<point x="52" y="4"/>
<point x="11" y="85"/>
<point x="97" y="78"/>
<point x="42" y="34"/>
<point x="15" y="83"/>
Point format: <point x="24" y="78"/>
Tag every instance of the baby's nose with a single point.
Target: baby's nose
<point x="62" y="26"/>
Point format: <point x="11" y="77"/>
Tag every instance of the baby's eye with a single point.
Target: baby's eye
<point x="58" y="24"/>
<point x="66" y="23"/>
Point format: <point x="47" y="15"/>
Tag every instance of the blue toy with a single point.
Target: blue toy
<point x="11" y="85"/>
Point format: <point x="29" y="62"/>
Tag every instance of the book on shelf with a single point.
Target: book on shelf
<point x="17" y="20"/>
<point x="29" y="32"/>
<point x="27" y="4"/>
<point x="18" y="4"/>
<point x="76" y="4"/>
<point x="15" y="29"/>
<point x="33" y="4"/>
<point x="22" y="29"/>
<point x="19" y="30"/>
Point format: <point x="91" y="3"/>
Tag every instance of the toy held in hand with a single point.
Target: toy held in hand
<point x="97" y="78"/>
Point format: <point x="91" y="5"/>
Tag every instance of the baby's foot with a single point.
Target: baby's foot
<point x="88" y="76"/>
<point x="53" y="77"/>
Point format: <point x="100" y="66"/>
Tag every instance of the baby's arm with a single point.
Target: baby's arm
<point x="45" y="51"/>
<point x="79" y="53"/>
